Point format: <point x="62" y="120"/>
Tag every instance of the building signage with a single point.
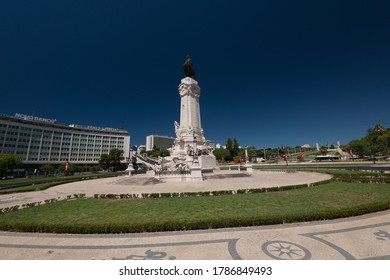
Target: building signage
<point x="96" y="127"/>
<point x="33" y="118"/>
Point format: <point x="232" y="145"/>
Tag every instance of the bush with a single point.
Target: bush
<point x="373" y="178"/>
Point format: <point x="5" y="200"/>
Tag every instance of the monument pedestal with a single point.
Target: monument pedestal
<point x="249" y="168"/>
<point x="191" y="155"/>
<point x="196" y="173"/>
<point x="129" y="170"/>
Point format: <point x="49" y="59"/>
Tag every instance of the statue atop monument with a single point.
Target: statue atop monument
<point x="191" y="156"/>
<point x="188" y="68"/>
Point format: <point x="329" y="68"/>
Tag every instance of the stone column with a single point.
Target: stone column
<point x="248" y="165"/>
<point x="190" y="124"/>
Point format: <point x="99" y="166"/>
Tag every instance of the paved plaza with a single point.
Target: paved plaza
<point x="144" y="183"/>
<point x="364" y="237"/>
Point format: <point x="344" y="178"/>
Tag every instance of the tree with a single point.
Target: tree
<point x="376" y="142"/>
<point x="8" y="163"/>
<point x="376" y="139"/>
<point x="252" y="153"/>
<point x="377" y="129"/>
<point x="236" y="146"/>
<point x="229" y="144"/>
<point x="359" y="147"/>
<point x="158" y="152"/>
<point x="222" y="154"/>
<point x="232" y="146"/>
<point x="384" y="139"/>
<point x="111" y="160"/>
<point x="115" y="157"/>
<point x="46" y="169"/>
<point x="104" y="161"/>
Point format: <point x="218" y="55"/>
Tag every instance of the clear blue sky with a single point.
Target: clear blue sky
<point x="272" y="72"/>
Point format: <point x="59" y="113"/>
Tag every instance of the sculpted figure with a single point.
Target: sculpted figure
<point x="188" y="68"/>
<point x="177" y="129"/>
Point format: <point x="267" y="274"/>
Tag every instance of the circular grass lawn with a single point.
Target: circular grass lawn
<point x="92" y="215"/>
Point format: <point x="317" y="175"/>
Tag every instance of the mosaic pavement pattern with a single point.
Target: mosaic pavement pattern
<point x="365" y="237"/>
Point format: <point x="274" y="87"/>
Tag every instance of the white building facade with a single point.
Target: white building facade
<point x="160" y="142"/>
<point x="39" y="140"/>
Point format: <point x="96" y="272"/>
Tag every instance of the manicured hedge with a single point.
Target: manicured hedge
<point x="206" y="193"/>
<point x="33" y="204"/>
<point x="372" y="178"/>
<point x="30" y="188"/>
<point x="28" y="185"/>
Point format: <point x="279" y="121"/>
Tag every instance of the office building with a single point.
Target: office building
<point x="160" y="142"/>
<point x="38" y="140"/>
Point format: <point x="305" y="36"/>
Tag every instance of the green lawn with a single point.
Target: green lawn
<point x="41" y="182"/>
<point x="332" y="200"/>
<point x="31" y="188"/>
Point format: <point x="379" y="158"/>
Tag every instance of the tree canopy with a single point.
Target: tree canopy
<point x="8" y="163"/>
<point x="376" y="142"/>
<point x="232" y="146"/>
<point x="222" y="154"/>
<point x="158" y="152"/>
<point x="112" y="160"/>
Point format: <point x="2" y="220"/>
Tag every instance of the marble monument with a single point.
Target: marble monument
<point x="191" y="157"/>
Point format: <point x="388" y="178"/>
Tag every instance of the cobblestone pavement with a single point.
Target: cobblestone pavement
<point x="364" y="237"/>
